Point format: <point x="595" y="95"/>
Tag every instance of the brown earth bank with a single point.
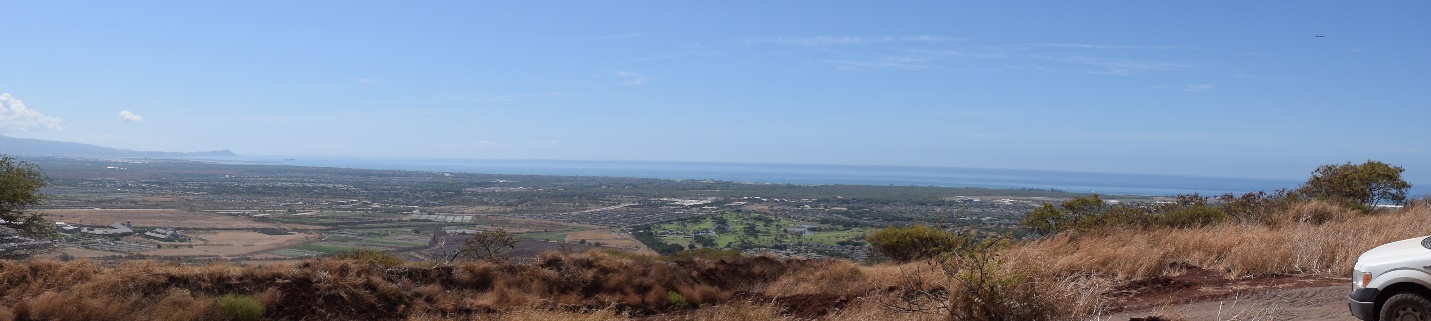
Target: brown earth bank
<point x="344" y="289"/>
<point x="1195" y="284"/>
<point x="1200" y="294"/>
<point x="599" y="285"/>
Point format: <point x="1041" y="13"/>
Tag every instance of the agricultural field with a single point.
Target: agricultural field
<point x="343" y="240"/>
<point x="230" y="243"/>
<point x="751" y="229"/>
<point x="159" y="218"/>
<point x="558" y="234"/>
<point x="328" y="217"/>
<point x="610" y="237"/>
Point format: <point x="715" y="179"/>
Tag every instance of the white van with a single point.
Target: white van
<point x="1392" y="282"/>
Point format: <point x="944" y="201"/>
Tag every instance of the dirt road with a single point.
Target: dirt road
<point x="1323" y="303"/>
<point x="1200" y="294"/>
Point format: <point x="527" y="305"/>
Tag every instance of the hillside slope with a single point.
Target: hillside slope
<point x="40" y="147"/>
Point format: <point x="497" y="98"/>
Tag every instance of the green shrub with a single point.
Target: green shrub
<point x="904" y="244"/>
<point x="1193" y="216"/>
<point x="677" y="301"/>
<point x="241" y="307"/>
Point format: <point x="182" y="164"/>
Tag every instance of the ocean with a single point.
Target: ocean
<point x="1078" y="182"/>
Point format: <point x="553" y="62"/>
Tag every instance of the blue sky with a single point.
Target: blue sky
<point x="1219" y="88"/>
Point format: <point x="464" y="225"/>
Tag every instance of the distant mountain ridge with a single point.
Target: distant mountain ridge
<point x="40" y="147"/>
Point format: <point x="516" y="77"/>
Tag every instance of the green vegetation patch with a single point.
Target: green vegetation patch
<point x="731" y="230"/>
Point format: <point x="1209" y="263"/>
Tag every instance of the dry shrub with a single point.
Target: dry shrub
<point x="1300" y="245"/>
<point x="593" y="285"/>
<point x="736" y="311"/>
<point x="180" y="304"/>
<point x="1315" y="212"/>
<point x="873" y="307"/>
<point x="534" y="313"/>
<point x="980" y="284"/>
<point x="27" y="279"/>
<point x="838" y="277"/>
<point x="53" y="305"/>
<point x="1160" y="317"/>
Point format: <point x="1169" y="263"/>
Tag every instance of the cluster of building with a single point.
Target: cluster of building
<point x="126" y="228"/>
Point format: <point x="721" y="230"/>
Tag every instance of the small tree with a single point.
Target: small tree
<point x="904" y="244"/>
<point x="1048" y="219"/>
<point x="488" y="246"/>
<point x="20" y="184"/>
<point x="1364" y="185"/>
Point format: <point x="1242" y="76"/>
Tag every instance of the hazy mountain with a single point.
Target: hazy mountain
<point x="40" y="147"/>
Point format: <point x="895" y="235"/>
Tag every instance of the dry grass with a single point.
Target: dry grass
<point x="1063" y="276"/>
<point x="835" y="277"/>
<point x="1312" y="238"/>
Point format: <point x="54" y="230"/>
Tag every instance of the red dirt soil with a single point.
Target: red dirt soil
<point x="1197" y="284"/>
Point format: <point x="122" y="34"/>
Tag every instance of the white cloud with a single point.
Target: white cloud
<point x="622" y="36"/>
<point x="1197" y="88"/>
<point x="910" y="63"/>
<point x="819" y="41"/>
<point x="1126" y="64"/>
<point x="846" y="40"/>
<point x="633" y="79"/>
<point x="130" y="117"/>
<point x="14" y="116"/>
<point x="1092" y="46"/>
<point x="1188" y="88"/>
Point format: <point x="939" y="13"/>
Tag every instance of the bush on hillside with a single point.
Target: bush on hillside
<point x="979" y="285"/>
<point x="914" y="242"/>
<point x="371" y="256"/>
<point x="241" y="307"/>
<point x="1072" y="214"/>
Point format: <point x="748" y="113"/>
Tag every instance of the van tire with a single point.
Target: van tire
<point x="1406" y="307"/>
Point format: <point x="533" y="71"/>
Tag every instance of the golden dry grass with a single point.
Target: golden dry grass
<point x="1063" y="276"/>
<point x="1311" y="238"/>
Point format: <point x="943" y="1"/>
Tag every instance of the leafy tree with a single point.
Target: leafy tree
<point x="1364" y="185"/>
<point x="492" y="246"/>
<point x="1048" y="219"/>
<point x="20" y="184"/>
<point x="914" y="242"/>
<point x="704" y="240"/>
<point x="751" y="231"/>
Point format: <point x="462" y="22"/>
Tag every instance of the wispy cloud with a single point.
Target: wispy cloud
<point x="631" y="78"/>
<point x="15" y="117"/>
<point x="622" y="36"/>
<point x="1199" y="87"/>
<point x="817" y="41"/>
<point x="128" y="116"/>
<point x="849" y="40"/>
<point x="1188" y="88"/>
<point x="1093" y="46"/>
<point x="1125" y="63"/>
<point x="887" y="62"/>
<point x="488" y="97"/>
<point x="1122" y="66"/>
